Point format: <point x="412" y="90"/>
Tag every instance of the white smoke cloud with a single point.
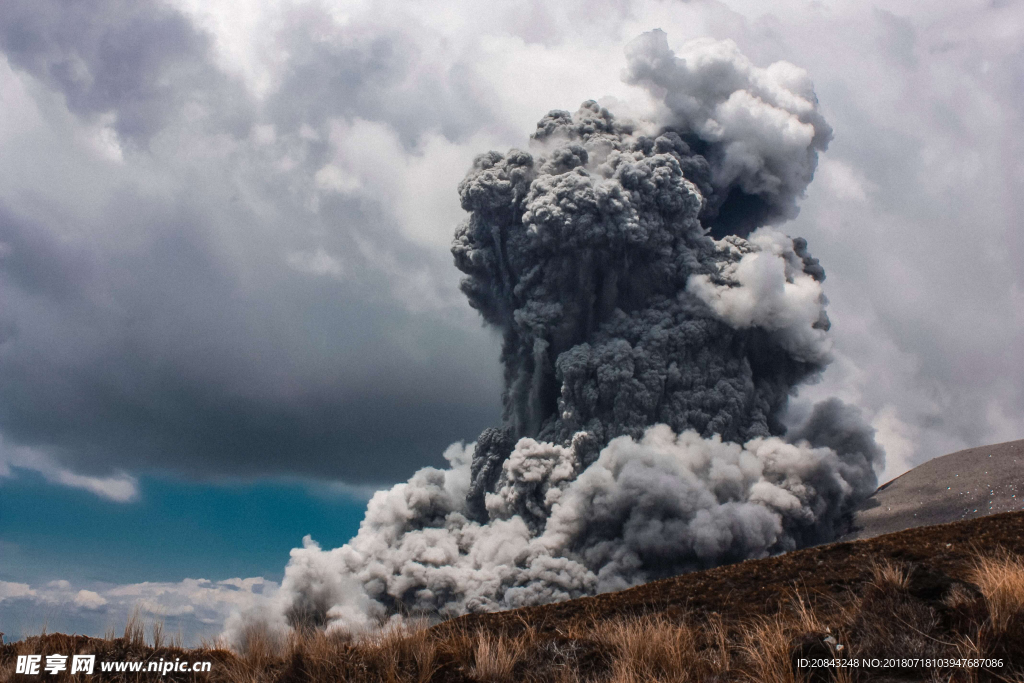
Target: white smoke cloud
<point x="678" y="502"/>
<point x="764" y="123"/>
<point x="765" y="285"/>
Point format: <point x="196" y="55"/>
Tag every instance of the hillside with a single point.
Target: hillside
<point x="964" y="485"/>
<point x="931" y="570"/>
<point x="827" y="576"/>
<point x="914" y="593"/>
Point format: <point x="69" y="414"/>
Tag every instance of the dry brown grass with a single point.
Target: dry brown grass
<point x="402" y="652"/>
<point x="135" y="629"/>
<point x="887" y="575"/>
<point x="1000" y="579"/>
<point x="652" y="648"/>
<point x="764" y="647"/>
<point x="900" y="609"/>
<point x="259" y="653"/>
<point x="495" y="657"/>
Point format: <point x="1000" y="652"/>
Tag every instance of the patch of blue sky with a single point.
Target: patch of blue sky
<point x="176" y="529"/>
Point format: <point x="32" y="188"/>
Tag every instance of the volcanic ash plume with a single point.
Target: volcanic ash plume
<point x="654" y="326"/>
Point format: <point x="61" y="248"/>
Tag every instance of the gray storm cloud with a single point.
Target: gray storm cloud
<point x="654" y="325"/>
<point x="159" y="310"/>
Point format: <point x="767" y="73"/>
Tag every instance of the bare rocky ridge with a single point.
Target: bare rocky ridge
<point x="971" y="483"/>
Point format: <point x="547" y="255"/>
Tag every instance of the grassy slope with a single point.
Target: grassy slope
<point x="823" y="574"/>
<point x="953" y="590"/>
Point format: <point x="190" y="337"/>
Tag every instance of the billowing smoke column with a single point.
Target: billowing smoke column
<point x="654" y="326"/>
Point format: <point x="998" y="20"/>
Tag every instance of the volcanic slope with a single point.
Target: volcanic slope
<point x="943" y="514"/>
<point x="971" y="483"/>
<point x="827" y="575"/>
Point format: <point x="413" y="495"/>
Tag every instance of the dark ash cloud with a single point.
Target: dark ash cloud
<point x="647" y="364"/>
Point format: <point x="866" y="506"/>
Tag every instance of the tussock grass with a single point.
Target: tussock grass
<point x="887" y="575"/>
<point x="1001" y="581"/>
<point x="135" y="629"/>
<point x="765" y="646"/>
<point x="496" y="656"/>
<point x="899" y="609"/>
<point x="652" y="648"/>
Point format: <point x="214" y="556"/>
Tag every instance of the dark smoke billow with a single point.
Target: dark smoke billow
<point x="654" y="325"/>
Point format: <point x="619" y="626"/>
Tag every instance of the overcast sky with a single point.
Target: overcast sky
<point x="224" y="229"/>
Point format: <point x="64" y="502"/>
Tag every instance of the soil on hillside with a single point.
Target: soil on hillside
<point x="975" y="482"/>
<point x="826" y="576"/>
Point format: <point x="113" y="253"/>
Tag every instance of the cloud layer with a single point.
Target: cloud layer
<point x="195" y="608"/>
<point x="225" y="240"/>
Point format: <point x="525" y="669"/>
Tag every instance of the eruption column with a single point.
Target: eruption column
<point x="654" y="324"/>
